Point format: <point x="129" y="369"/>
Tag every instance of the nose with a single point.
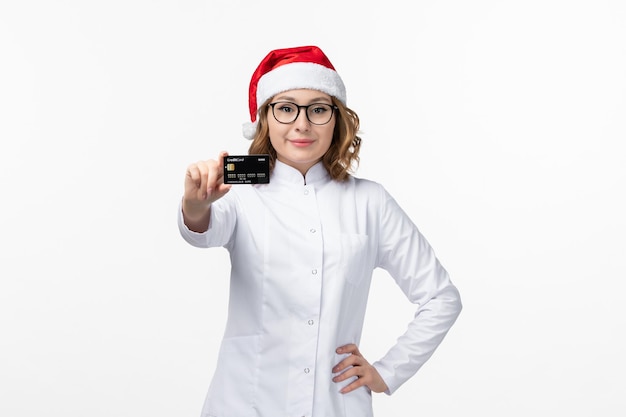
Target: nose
<point x="302" y="121"/>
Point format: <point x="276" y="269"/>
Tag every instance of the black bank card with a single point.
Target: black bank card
<point x="246" y="169"/>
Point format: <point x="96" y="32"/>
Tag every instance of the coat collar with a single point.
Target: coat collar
<point x="286" y="174"/>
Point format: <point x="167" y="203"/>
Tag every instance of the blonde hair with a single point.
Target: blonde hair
<point x="342" y="157"/>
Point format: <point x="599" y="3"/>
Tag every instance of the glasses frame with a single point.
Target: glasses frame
<point x="333" y="108"/>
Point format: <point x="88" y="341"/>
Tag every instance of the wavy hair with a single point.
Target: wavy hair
<point x="342" y="157"/>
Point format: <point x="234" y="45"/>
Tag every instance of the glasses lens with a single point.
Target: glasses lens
<point x="319" y="113"/>
<point x="285" y="112"/>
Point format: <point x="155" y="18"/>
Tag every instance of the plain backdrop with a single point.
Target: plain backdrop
<point x="499" y="126"/>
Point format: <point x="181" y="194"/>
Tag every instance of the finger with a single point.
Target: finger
<point x="216" y="174"/>
<point x="220" y="160"/>
<point x="350" y="348"/>
<point x="193" y="175"/>
<point x="216" y="186"/>
<point x="357" y="383"/>
<point x="347" y="362"/>
<point x="193" y="183"/>
<point x="223" y="188"/>
<point x="219" y="170"/>
<point x="355" y="371"/>
<point x="204" y="178"/>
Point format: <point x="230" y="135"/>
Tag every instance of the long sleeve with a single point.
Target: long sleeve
<point x="221" y="224"/>
<point x="411" y="261"/>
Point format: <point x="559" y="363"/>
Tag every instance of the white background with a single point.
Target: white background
<point x="498" y="126"/>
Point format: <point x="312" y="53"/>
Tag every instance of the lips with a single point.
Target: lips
<point x="301" y="143"/>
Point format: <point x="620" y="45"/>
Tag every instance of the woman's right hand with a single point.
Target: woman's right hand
<point x="204" y="184"/>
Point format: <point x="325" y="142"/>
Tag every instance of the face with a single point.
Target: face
<point x="300" y="144"/>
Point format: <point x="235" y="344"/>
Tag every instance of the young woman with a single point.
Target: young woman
<point x="303" y="249"/>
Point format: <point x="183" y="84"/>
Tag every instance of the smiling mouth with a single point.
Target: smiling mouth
<point x="301" y="142"/>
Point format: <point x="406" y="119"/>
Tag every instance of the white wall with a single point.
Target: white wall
<point x="498" y="126"/>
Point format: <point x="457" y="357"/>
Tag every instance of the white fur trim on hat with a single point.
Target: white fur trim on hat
<point x="300" y="75"/>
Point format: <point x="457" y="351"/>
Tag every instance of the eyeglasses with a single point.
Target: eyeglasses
<point x="286" y="112"/>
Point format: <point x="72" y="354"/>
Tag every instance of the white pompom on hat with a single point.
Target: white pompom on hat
<point x="289" y="69"/>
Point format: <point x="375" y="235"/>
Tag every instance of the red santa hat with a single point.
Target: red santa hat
<point x="288" y="69"/>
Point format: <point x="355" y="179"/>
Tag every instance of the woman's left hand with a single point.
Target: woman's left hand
<point x="356" y="365"/>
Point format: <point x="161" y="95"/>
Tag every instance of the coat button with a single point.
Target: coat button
<point x="307" y="370"/>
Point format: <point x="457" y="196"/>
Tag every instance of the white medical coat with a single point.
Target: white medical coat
<point x="302" y="254"/>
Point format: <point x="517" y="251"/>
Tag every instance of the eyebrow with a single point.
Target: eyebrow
<point x="313" y="100"/>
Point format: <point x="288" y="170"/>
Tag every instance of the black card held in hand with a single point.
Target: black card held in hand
<point x="247" y="169"/>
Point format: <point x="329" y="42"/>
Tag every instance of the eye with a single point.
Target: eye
<point x="319" y="108"/>
<point x="286" y="107"/>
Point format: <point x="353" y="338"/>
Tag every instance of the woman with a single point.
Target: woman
<point x="303" y="249"/>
